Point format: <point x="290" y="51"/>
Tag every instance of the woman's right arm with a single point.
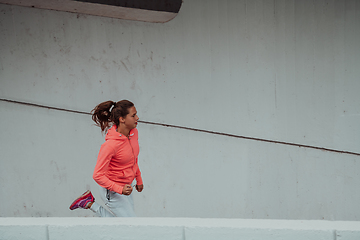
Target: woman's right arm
<point x="105" y="154"/>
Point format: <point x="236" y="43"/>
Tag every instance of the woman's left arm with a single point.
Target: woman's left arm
<point x="138" y="177"/>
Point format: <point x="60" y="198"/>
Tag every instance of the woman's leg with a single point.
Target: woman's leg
<point x="100" y="210"/>
<point x="119" y="205"/>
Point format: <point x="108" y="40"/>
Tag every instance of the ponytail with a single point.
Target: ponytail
<point x="105" y="116"/>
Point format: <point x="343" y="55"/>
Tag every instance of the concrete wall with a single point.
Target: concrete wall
<point x="284" y="71"/>
<point x="174" y="229"/>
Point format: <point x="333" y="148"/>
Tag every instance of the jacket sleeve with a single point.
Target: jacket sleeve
<point x="105" y="154"/>
<point x="138" y="178"/>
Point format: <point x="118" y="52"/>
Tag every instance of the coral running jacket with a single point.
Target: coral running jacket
<point x="117" y="162"/>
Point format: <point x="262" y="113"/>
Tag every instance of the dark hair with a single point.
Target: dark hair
<point x="105" y="117"/>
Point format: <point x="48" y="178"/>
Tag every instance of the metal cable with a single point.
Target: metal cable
<point x="192" y="129"/>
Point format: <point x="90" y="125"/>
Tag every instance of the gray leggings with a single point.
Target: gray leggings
<point x="118" y="205"/>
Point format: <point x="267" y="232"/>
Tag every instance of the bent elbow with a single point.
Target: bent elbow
<point x="96" y="177"/>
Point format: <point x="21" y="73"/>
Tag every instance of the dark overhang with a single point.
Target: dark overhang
<point x="139" y="10"/>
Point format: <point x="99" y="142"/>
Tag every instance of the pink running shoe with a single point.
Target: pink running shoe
<point x="82" y="201"/>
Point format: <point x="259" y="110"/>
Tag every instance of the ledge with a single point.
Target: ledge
<point x="175" y="228"/>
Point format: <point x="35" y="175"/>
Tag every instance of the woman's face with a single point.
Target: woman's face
<point x="131" y="119"/>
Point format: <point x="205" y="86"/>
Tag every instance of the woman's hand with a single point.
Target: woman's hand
<point x="127" y="189"/>
<point x="139" y="188"/>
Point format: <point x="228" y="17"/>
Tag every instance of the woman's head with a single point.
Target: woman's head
<point x="108" y="113"/>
